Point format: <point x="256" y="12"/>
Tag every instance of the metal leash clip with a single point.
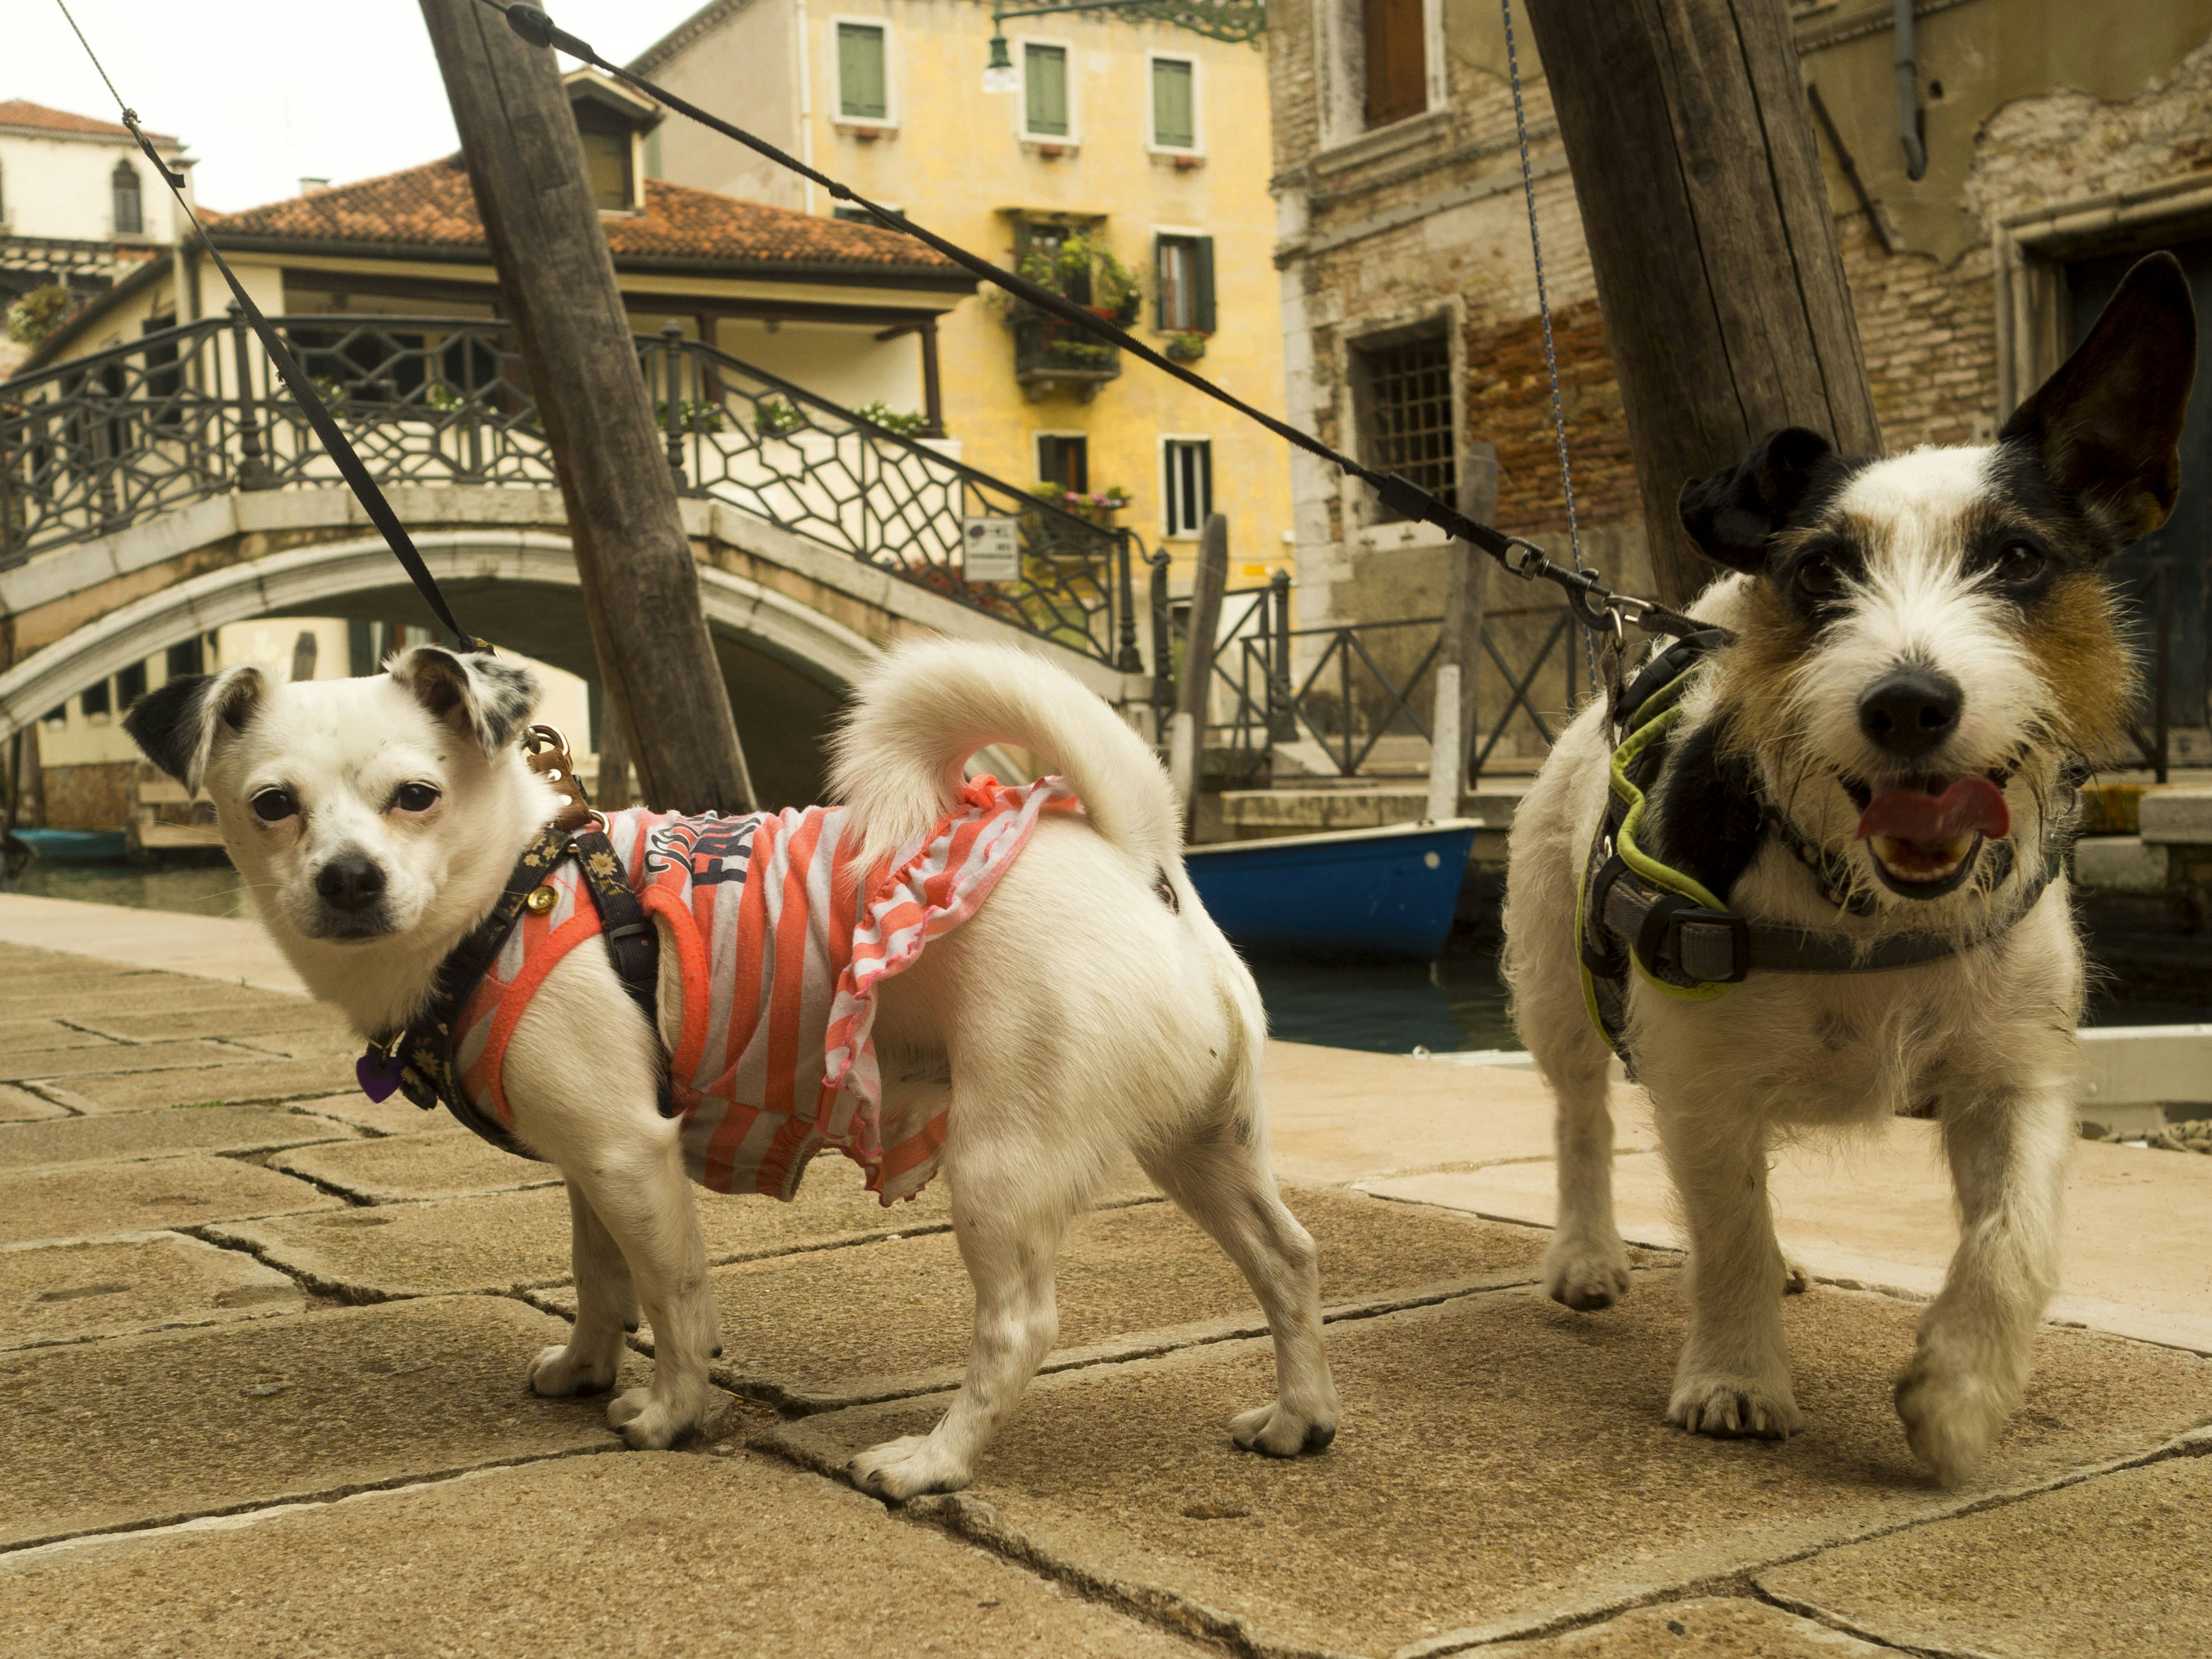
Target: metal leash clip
<point x="1524" y="558"/>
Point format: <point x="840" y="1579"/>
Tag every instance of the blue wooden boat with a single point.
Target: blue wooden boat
<point x="75" y="846"/>
<point x="1388" y="892"/>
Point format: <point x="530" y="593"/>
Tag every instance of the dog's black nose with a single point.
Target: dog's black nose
<point x="350" y="882"/>
<point x="1911" y="712"/>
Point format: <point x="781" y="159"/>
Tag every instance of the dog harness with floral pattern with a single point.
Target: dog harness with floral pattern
<point x="780" y="947"/>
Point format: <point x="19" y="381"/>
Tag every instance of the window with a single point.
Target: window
<point x="856" y="215"/>
<point x="58" y="715"/>
<point x="187" y="659"/>
<point x="1189" y="484"/>
<point x="1044" y="91"/>
<point x="1395" y="38"/>
<point x="863" y="84"/>
<point x="606" y="164"/>
<point x="1184" y="268"/>
<point x="130" y="683"/>
<point x="1175" y="103"/>
<point x="94" y="700"/>
<point x="1064" y="459"/>
<point x="130" y="211"/>
<point x="1046" y="242"/>
<point x="1404" y="391"/>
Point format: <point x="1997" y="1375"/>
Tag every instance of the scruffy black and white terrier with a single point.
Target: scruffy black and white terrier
<point x="1089" y="1010"/>
<point x="1925" y="657"/>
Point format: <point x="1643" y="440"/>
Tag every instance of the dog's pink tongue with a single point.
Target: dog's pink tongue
<point x="1915" y="814"/>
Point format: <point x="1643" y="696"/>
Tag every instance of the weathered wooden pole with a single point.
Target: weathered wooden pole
<point x="1187" y="737"/>
<point x="556" y="282"/>
<point x="1459" y="653"/>
<point x="1711" y="238"/>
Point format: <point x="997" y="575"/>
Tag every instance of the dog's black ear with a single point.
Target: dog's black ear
<point x="180" y="724"/>
<point x="476" y="693"/>
<point x="1731" y="515"/>
<point x="2106" y="428"/>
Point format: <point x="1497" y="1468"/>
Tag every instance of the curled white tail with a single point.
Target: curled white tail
<point x="927" y="708"/>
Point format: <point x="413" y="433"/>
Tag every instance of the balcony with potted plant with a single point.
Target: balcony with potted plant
<point x="1051" y="355"/>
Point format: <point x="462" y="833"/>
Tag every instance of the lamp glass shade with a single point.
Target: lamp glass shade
<point x="999" y="75"/>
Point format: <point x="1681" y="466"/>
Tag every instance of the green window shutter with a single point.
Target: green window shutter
<point x="1044" y="76"/>
<point x="1201" y="308"/>
<point x="861" y="86"/>
<point x="1175" y="108"/>
<point x="1160" y="280"/>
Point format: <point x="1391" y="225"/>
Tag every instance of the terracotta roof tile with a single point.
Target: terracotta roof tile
<point x="433" y="206"/>
<point x="22" y="112"/>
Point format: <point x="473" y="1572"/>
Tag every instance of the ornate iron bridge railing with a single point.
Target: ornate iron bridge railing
<point x="100" y="442"/>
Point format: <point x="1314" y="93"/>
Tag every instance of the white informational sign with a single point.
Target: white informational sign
<point x="992" y="549"/>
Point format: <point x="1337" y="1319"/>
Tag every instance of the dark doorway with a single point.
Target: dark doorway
<point x="2181" y="546"/>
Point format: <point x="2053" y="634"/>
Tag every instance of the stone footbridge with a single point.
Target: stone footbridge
<point x="154" y="492"/>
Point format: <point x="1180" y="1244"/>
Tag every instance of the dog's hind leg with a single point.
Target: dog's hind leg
<point x="1733" y="1377"/>
<point x="2008" y="1149"/>
<point x="606" y="1308"/>
<point x="1012" y="1199"/>
<point x="1219" y="1176"/>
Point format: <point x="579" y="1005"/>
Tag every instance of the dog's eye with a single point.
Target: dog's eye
<point x="2017" y="563"/>
<point x="415" y="798"/>
<point x="1820" y="579"/>
<point x="275" y="805"/>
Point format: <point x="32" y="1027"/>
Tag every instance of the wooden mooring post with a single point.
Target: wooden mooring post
<point x="556" y="281"/>
<point x="1711" y="240"/>
<point x="1186" y="734"/>
<point x="1459" y="654"/>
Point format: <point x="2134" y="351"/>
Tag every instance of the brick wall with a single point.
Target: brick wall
<point x="1509" y="401"/>
<point x="1929" y="332"/>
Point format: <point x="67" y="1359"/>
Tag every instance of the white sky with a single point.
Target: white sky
<point x="266" y="91"/>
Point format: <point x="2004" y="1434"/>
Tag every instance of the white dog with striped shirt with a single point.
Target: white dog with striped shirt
<point x="378" y="821"/>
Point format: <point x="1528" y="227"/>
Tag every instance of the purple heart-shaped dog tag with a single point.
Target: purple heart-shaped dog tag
<point x="378" y="1074"/>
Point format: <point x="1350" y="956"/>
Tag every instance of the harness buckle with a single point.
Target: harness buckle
<point x="1711" y="947"/>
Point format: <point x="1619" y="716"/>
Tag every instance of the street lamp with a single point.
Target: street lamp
<point x="999" y="74"/>
<point x="1233" y="20"/>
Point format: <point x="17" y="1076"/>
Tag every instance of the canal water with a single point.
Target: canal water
<point x="1456" y="1002"/>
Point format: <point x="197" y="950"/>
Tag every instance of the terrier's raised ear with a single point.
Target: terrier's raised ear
<point x="179" y="725"/>
<point x="478" y="695"/>
<point x="2106" y="428"/>
<point x="1732" y="514"/>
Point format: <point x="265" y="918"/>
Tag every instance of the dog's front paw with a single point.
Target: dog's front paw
<point x="907" y="1467"/>
<point x="648" y="1423"/>
<point x="1275" y="1431"/>
<point x="558" y="1373"/>
<point x="1586" y="1274"/>
<point x="1950" y="1415"/>
<point x="1732" y="1408"/>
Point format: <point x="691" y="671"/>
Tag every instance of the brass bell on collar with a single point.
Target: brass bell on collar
<point x="542" y="898"/>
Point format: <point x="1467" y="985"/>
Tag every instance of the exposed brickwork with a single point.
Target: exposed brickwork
<point x="1509" y="401"/>
<point x="1930" y="338"/>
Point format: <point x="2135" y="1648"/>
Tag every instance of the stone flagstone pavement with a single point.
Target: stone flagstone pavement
<point x="262" y="1346"/>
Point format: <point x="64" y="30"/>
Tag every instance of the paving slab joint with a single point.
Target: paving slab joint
<point x="346" y="1295"/>
<point x="1828" y="1620"/>
<point x="984" y="1525"/>
<point x="329" y="1495"/>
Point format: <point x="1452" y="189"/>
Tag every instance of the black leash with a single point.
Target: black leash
<point x="296" y="381"/>
<point x="1596" y="606"/>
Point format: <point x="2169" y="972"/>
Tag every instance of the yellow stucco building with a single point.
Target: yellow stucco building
<point x="1122" y="146"/>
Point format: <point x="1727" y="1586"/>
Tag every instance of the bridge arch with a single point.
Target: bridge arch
<point x="786" y="663"/>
